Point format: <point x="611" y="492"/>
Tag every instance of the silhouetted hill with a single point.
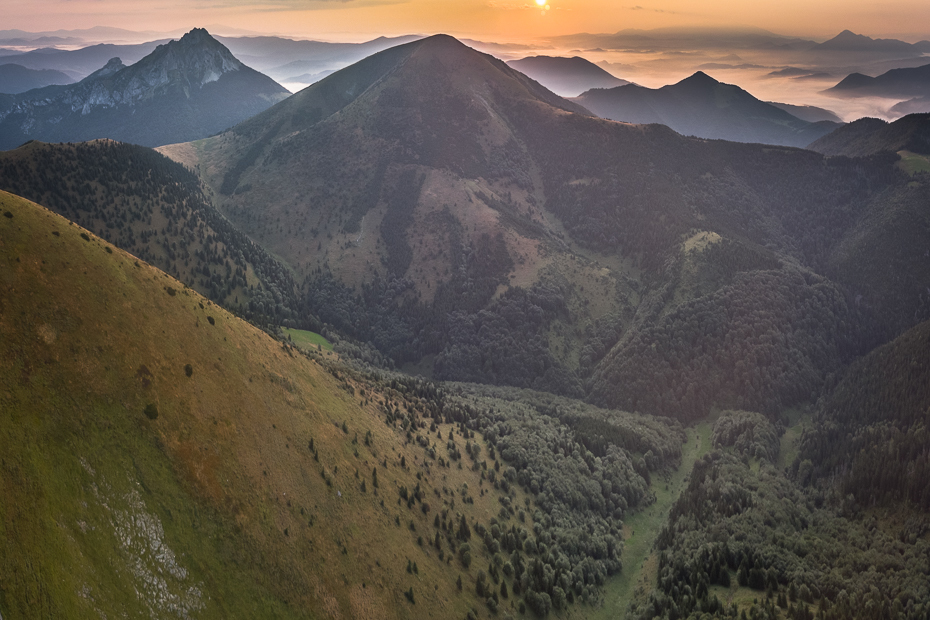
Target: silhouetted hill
<point x="184" y="90"/>
<point x="867" y="136"/>
<point x="917" y="105"/>
<point x="568" y="77"/>
<point x="16" y="79"/>
<point x="701" y="106"/>
<point x="848" y="41"/>
<point x="897" y="83"/>
<point x="686" y="38"/>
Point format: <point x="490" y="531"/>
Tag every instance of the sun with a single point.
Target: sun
<point x="542" y="2"/>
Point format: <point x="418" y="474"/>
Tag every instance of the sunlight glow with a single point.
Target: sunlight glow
<point x="541" y="2"/>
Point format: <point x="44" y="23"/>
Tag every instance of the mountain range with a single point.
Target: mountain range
<point x="848" y="41"/>
<point x="183" y="90"/>
<point x="701" y="106"/>
<point x="429" y="194"/>
<point x="648" y="375"/>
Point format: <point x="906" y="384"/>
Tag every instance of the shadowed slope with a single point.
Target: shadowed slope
<point x="868" y="136"/>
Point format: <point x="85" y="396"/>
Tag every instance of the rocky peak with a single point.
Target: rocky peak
<point x="113" y="66"/>
<point x="196" y="58"/>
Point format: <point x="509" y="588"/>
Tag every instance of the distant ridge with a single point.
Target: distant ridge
<point x="184" y="90"/>
<point x="80" y="63"/>
<point x="15" y="79"/>
<point x="809" y="113"/>
<point x="848" y="41"/>
<point x="701" y="106"/>
<point x="897" y="83"/>
<point x="568" y="77"/>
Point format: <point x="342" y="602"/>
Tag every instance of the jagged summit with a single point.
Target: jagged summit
<point x="112" y="66"/>
<point x="197" y="57"/>
<point x="184" y="90"/>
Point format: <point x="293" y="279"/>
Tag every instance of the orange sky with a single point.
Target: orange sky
<point x="501" y="20"/>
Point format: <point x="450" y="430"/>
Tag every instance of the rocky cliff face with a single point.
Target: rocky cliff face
<point x="188" y="89"/>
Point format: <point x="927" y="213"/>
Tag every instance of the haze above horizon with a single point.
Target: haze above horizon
<point x="501" y="20"/>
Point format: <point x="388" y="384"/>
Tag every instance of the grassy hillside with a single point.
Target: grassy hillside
<point x="161" y="457"/>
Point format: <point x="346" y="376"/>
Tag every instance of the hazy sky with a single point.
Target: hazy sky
<point x="501" y="20"/>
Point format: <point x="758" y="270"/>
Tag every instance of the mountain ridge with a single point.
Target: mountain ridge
<point x="848" y="41"/>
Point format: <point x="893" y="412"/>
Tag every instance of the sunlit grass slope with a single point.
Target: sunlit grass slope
<point x="161" y="458"/>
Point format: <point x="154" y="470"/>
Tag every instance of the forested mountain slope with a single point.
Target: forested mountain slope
<point x="868" y="136"/>
<point x="154" y="208"/>
<point x="744" y="539"/>
<point x="871" y="435"/>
